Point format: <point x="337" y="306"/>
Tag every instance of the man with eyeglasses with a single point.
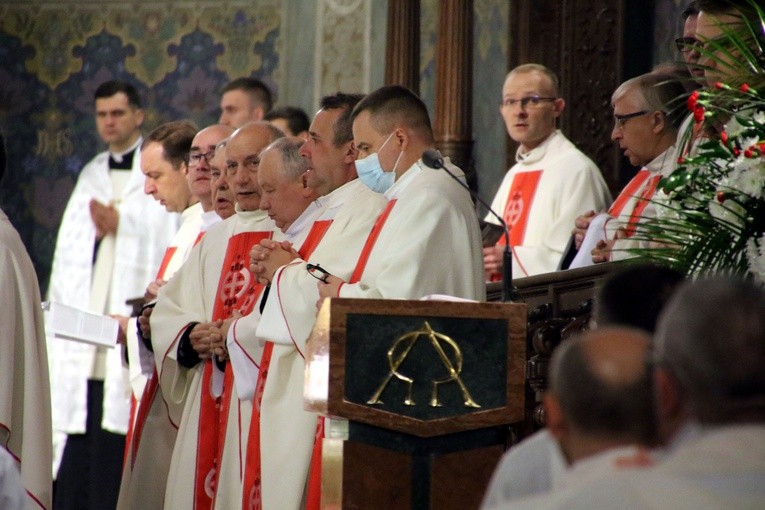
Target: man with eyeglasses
<point x="551" y="182"/>
<point x="110" y="243"/>
<point x="648" y="111"/>
<point x="687" y="45"/>
<point x="169" y="148"/>
<point x="187" y="327"/>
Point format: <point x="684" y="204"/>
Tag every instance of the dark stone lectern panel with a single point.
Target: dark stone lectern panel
<point x="473" y="350"/>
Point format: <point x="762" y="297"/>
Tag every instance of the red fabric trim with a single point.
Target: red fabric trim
<point x="370" y="243"/>
<point x="519" y="200"/>
<point x="628" y="192"/>
<point x="166" y="260"/>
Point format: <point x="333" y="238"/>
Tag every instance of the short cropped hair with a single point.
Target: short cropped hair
<point x="296" y="118"/>
<point x="293" y="164"/>
<point x="538" y="68"/>
<point x="711" y="338"/>
<point x="343" y="127"/>
<point x="395" y="105"/>
<point x="609" y="408"/>
<point x="636" y="295"/>
<point x="258" y="91"/>
<point x="110" y="88"/>
<point x="659" y="91"/>
<point x="176" y="138"/>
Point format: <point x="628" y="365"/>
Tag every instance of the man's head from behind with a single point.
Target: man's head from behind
<point x="293" y="121"/>
<point x="635" y="296"/>
<point x="600" y="395"/>
<point x="163" y="163"/>
<point x="329" y="150"/>
<point x="198" y="162"/>
<point x="710" y="353"/>
<point x="390" y="125"/>
<point x="244" y="100"/>
<point x="530" y="105"/>
<point x="281" y="177"/>
<point x="118" y="114"/>
<point x="648" y="111"/>
<point x="243" y="160"/>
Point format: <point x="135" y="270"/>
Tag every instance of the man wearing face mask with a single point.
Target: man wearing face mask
<point x="427" y="215"/>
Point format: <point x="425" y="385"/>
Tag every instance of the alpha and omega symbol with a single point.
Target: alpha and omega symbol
<point x="209" y="483"/>
<point x="514" y="209"/>
<point x="400" y="350"/>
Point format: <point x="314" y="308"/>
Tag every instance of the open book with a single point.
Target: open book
<point x="71" y="323"/>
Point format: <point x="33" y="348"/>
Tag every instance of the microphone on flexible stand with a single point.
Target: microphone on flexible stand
<point x="433" y="159"/>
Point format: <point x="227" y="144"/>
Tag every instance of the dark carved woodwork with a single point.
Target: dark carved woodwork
<point x="402" y="51"/>
<point x="454" y="70"/>
<point x="582" y="41"/>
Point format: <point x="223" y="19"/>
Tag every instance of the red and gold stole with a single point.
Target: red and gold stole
<point x="251" y="493"/>
<point x="237" y="292"/>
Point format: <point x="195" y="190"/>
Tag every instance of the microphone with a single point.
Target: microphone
<point x="433" y="159"/>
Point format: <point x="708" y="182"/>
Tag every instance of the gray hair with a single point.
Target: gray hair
<point x="659" y="91"/>
<point x="711" y="338"/>
<point x="293" y="164"/>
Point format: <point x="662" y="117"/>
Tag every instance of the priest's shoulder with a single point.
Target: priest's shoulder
<point x="99" y="163"/>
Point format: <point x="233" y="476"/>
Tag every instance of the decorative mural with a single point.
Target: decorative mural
<point x="54" y="54"/>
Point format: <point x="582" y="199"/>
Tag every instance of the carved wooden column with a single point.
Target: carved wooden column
<point x="402" y="52"/>
<point x="454" y="83"/>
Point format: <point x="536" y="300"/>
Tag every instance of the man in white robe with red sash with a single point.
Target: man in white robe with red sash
<point x="277" y="478"/>
<point x="25" y="427"/>
<point x="109" y="214"/>
<point x="213" y="285"/>
<point x="647" y="115"/>
<point x="551" y="183"/>
<point x="178" y="174"/>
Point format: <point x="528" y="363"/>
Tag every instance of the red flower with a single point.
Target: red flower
<point x="762" y="148"/>
<point x="680" y="160"/>
<point x="736" y="151"/>
<point x="692" y="100"/>
<point x="744" y="88"/>
<point x="698" y="114"/>
<point x="719" y="85"/>
<point x="748" y="153"/>
<point x="724" y="137"/>
<point x="720" y="196"/>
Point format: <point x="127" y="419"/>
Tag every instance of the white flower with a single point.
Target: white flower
<point x="728" y="212"/>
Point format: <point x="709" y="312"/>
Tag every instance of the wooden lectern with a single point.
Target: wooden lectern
<point x="417" y="395"/>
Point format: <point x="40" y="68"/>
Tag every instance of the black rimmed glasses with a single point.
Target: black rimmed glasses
<point x="525" y="102"/>
<point x="686" y="44"/>
<point x="318" y="272"/>
<point x="194" y="158"/>
<point x="621" y="120"/>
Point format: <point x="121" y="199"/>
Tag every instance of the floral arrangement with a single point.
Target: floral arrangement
<point x="710" y="212"/>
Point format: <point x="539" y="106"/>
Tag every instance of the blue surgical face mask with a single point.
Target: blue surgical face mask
<point x="372" y="174"/>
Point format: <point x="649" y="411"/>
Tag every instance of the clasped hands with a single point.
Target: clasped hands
<point x="208" y="339"/>
<point x="105" y="218"/>
<point x="268" y="256"/>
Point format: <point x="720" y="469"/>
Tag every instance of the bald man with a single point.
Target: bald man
<point x="599" y="406"/>
<point x="214" y="285"/>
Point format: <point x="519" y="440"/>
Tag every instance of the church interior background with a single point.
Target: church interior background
<point x="53" y="54"/>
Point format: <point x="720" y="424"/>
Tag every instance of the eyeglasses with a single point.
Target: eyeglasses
<point x="194" y="158"/>
<point x="686" y="44"/>
<point x="621" y="120"/>
<point x="525" y="102"/>
<point x="318" y="272"/>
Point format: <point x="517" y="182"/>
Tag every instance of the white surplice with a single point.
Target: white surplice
<point x="187" y="298"/>
<point x="570" y="184"/>
<point x="25" y="420"/>
<point x="144" y="230"/>
<point x="147" y="457"/>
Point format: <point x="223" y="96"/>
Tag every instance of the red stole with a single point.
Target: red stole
<point x="140" y="413"/>
<point x="251" y="491"/>
<point x="237" y="291"/>
<point x="517" y="207"/>
<point x="313" y="497"/>
<point x="648" y="183"/>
